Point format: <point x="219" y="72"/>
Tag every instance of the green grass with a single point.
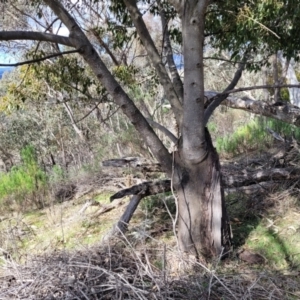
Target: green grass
<point x="22" y="180"/>
<point x="253" y="135"/>
<point x="275" y="235"/>
<point x="103" y="198"/>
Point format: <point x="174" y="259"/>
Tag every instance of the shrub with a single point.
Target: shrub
<point x="254" y="136"/>
<point x="22" y="181"/>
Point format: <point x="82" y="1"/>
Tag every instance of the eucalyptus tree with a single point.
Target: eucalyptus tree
<point x="244" y="28"/>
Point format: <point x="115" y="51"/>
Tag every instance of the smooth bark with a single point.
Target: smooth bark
<point x="34" y="36"/>
<point x="177" y="82"/>
<point x="193" y="133"/>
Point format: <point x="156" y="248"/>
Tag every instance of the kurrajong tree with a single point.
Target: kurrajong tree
<point x="247" y="29"/>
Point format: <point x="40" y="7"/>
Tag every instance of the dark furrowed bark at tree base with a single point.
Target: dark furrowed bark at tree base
<point x="203" y="223"/>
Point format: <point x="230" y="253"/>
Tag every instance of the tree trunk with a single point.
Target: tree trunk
<point x="203" y="223"/>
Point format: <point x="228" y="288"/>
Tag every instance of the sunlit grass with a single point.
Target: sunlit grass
<point x="253" y="135"/>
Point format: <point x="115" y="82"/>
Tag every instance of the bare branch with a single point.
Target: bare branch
<point x="163" y="129"/>
<point x="35" y="36"/>
<point x="27" y="62"/>
<point x="217" y="101"/>
<point x="260" y="87"/>
<point x="87" y="51"/>
<point x="280" y="111"/>
<point x="177" y="82"/>
<point x="155" y="59"/>
<point x="103" y="44"/>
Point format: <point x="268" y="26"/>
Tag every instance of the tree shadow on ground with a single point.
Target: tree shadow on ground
<point x="267" y="223"/>
<point x="243" y="218"/>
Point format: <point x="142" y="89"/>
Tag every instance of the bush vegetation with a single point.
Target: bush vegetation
<point x="22" y="181"/>
<point x="254" y="135"/>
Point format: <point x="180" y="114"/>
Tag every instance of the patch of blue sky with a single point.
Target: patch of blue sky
<point x="178" y="59"/>
<point x="6" y="59"/>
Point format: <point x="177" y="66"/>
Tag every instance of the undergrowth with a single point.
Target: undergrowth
<point x="254" y="136"/>
<point x="23" y="180"/>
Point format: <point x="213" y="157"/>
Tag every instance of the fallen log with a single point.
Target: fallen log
<point x="253" y="177"/>
<point x="144" y="189"/>
<point x="283" y="111"/>
<point x="250" y="182"/>
<point x="127" y="215"/>
<point x="133" y="162"/>
<point x="252" y="189"/>
<point x="248" y="178"/>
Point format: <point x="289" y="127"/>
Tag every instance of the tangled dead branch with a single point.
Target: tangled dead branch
<point x="118" y="272"/>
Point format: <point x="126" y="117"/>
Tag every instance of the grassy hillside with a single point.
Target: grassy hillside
<point x="55" y="226"/>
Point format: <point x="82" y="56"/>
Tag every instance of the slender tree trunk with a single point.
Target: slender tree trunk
<point x="203" y="223"/>
<point x="275" y="77"/>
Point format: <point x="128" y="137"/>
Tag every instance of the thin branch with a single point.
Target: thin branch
<point x="177" y="82"/>
<point x="103" y="44"/>
<point x="95" y="107"/>
<point x="231" y="61"/>
<point x="35" y="36"/>
<point x="259" y="87"/>
<point x="153" y="55"/>
<point x="217" y="101"/>
<point x="259" y="23"/>
<point x="27" y="62"/>
<point x="163" y="129"/>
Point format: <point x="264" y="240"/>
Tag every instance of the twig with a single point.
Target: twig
<point x="27" y="62"/>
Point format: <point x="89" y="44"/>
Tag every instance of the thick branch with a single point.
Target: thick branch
<point x="163" y="129"/>
<point x="218" y="100"/>
<point x="260" y="87"/>
<point x="35" y="36"/>
<point x="144" y="189"/>
<point x="266" y="177"/>
<point x="155" y="58"/>
<point x="127" y="215"/>
<point x="282" y="111"/>
<point x="87" y="51"/>
<point x="177" y="82"/>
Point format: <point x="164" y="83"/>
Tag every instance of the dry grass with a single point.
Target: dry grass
<point x="140" y="267"/>
<point x="117" y="271"/>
